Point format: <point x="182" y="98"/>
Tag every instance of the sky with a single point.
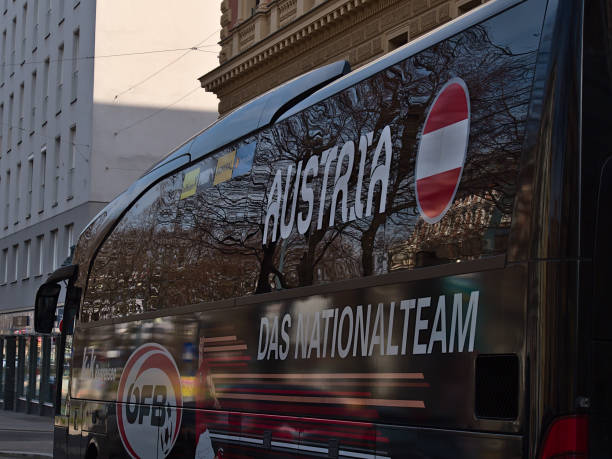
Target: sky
<point x="159" y="56"/>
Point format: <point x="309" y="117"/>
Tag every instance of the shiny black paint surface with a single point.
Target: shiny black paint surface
<point x="555" y="240"/>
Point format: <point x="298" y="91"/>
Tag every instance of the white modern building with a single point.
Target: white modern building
<point x="92" y="93"/>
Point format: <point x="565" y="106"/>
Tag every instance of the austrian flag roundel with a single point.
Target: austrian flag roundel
<point x="149" y="404"/>
<point x="442" y="150"/>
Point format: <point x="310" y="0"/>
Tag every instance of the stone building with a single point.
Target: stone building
<point x="267" y="42"/>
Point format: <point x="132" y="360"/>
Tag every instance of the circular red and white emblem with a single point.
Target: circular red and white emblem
<point x="149" y="402"/>
<point x="442" y="150"/>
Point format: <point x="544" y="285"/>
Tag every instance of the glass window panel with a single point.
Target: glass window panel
<point x="26" y="366"/>
<point x="38" y="341"/>
<point x="65" y="382"/>
<point x="19" y="366"/>
<point x="329" y="193"/>
<point x="2" y="367"/>
<point x="50" y="395"/>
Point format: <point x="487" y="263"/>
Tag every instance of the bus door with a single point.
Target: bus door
<point x="60" y="284"/>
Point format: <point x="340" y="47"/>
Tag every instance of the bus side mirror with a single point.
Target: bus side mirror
<point x="45" y="305"/>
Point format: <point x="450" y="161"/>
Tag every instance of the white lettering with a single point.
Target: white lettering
<point x="439" y="334"/>
<point x="286" y="227"/>
<point x="406" y="306"/>
<point x="379" y="326"/>
<point x="420" y="325"/>
<point x="347" y="313"/>
<point x="341" y="182"/>
<point x="457" y="322"/>
<point x="327" y="157"/>
<point x="391" y="348"/>
<point x="380" y="172"/>
<point x="261" y="353"/>
<point x="273" y="346"/>
<point x="273" y="209"/>
<point x="364" y="142"/>
<point x="365" y="330"/>
<point x="312" y="166"/>
<point x="284" y="350"/>
<point x="326" y="314"/>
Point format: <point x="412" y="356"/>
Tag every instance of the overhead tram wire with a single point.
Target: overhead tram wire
<point x="158" y="71"/>
<point x="135" y="123"/>
<point x="139" y="53"/>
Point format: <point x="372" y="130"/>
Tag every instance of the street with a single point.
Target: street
<point x="25" y="435"/>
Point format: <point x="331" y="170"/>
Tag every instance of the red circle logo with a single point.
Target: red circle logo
<point x="442" y="150"/>
<point x="149" y="402"/>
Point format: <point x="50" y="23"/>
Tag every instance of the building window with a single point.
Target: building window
<point x="26" y="258"/>
<point x="40" y="254"/>
<point x="56" y="169"/>
<point x="1" y="127"/>
<point x="15" y="262"/>
<point x="398" y="40"/>
<point x="60" y="12"/>
<point x="35" y="21"/>
<point x="20" y="127"/>
<point x="13" y="44"/>
<point x="60" y="79"/>
<point x="2" y="74"/>
<point x="69" y="238"/>
<point x="17" y="193"/>
<point x="5" y="260"/>
<point x="45" y="88"/>
<point x="24" y="25"/>
<point x="47" y="30"/>
<point x="467" y="6"/>
<point x="33" y="104"/>
<point x="75" y="69"/>
<point x="7" y="205"/>
<point x="71" y="162"/>
<point x="54" y="253"/>
<point x="43" y="175"/>
<point x="30" y="185"/>
<point x="9" y="140"/>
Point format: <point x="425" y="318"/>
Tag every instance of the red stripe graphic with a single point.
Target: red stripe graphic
<point x="296" y="391"/>
<point x="449" y="109"/>
<point x="436" y="191"/>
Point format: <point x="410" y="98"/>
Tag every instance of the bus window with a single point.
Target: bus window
<point x="332" y="193"/>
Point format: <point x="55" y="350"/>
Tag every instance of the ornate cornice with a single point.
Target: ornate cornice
<point x="319" y="22"/>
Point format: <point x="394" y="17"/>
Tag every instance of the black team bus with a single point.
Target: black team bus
<point x="405" y="261"/>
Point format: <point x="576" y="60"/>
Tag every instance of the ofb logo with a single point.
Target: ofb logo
<point x="150" y="401"/>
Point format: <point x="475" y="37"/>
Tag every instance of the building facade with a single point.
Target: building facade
<point x="267" y="42"/>
<point x="91" y="95"/>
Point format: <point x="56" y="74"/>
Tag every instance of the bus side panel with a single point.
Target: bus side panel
<point x="429" y="443"/>
<point x="310" y="374"/>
